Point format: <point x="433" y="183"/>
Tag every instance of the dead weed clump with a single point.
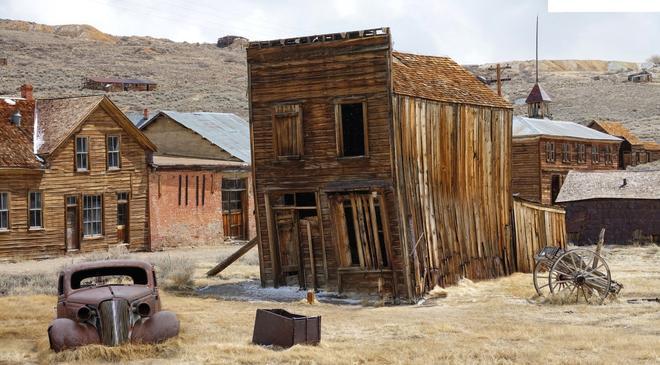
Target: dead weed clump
<point x="175" y="273"/>
<point x="124" y="353"/>
<point x="27" y="284"/>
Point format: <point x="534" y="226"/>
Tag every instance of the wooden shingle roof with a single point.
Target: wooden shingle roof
<point x="585" y="185"/>
<point x="16" y="141"/>
<point x="440" y="79"/>
<point x="616" y="129"/>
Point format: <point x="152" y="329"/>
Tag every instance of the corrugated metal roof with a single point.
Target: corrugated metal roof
<point x="226" y="130"/>
<point x="137" y="119"/>
<point x="532" y="127"/>
<point x="610" y="185"/>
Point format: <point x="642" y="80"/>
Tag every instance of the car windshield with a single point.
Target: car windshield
<point x="109" y="276"/>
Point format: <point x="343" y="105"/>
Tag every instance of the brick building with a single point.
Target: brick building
<point x="200" y="187"/>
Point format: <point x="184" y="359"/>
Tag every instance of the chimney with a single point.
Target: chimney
<point x="26" y="92"/>
<point x="16" y="118"/>
<point x="145" y="113"/>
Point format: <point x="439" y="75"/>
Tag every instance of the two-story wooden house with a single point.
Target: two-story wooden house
<point x="73" y="177"/>
<point x="376" y="171"/>
<point x="633" y="151"/>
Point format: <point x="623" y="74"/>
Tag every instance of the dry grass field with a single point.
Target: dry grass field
<point x="488" y="322"/>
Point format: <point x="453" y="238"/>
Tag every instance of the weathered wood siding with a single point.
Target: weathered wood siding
<point x="60" y="180"/>
<point x="535" y="227"/>
<point x="315" y="76"/>
<point x="625" y="221"/>
<point x="454" y="178"/>
<point x="525" y="168"/>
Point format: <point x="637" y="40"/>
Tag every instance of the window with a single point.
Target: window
<point x="82" y="153"/>
<point x="565" y="153"/>
<point x="287" y="131"/>
<point x="638" y="158"/>
<point x="363" y="241"/>
<point x="92" y="215"/>
<point x="648" y="156"/>
<point x="232" y="190"/>
<point x="197" y="190"/>
<point x="351" y="125"/>
<point x="186" y="189"/>
<point x="113" y="152"/>
<point x="581" y="153"/>
<point x="203" y="189"/>
<point x="35" y="205"/>
<point x="550" y="151"/>
<point x="4" y="211"/>
<point x="608" y="155"/>
<point x="179" y="190"/>
<point x="595" y="156"/>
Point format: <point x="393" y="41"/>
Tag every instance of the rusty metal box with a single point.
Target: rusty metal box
<point x="280" y="328"/>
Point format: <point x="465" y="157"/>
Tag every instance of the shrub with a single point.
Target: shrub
<point x="175" y="273"/>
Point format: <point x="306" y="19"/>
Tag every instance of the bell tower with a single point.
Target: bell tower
<point x="538" y="100"/>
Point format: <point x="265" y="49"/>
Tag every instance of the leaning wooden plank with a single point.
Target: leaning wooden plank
<point x="233" y="257"/>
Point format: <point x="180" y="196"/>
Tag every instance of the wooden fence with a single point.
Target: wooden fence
<point x="536" y="226"/>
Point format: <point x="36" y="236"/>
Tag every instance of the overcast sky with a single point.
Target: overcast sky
<point x="470" y="31"/>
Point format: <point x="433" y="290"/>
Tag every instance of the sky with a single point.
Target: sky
<point x="470" y="31"/>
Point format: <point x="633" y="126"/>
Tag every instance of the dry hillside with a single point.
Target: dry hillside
<point x="202" y="77"/>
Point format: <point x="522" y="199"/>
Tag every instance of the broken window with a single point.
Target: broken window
<point x="287" y="131"/>
<point x="92" y="215"/>
<point x="82" y="153"/>
<point x="113" y="152"/>
<point x="35" y="209"/>
<point x="565" y="153"/>
<point x="595" y="156"/>
<point x="550" y="151"/>
<point x="362" y="241"/>
<point x="351" y="125"/>
<point x="4" y="211"/>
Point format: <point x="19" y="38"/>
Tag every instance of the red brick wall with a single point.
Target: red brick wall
<point x="174" y="225"/>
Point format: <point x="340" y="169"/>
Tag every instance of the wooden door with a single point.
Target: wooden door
<point x="234" y="208"/>
<point x="288" y="253"/>
<point x="555" y="187"/>
<point x="122" y="218"/>
<point x="72" y="226"/>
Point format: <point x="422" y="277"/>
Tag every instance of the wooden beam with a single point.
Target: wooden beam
<point x="233" y="257"/>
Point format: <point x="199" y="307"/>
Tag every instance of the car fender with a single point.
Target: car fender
<point x="156" y="328"/>
<point x="64" y="333"/>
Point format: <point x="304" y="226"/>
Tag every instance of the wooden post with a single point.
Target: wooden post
<point x="312" y="264"/>
<point x="599" y="247"/>
<point x="499" y="80"/>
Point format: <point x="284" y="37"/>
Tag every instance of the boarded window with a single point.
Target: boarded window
<point x="113" y="152"/>
<point x="82" y="153"/>
<point x="595" y="156"/>
<point x="351" y="125"/>
<point x="4" y="211"/>
<point x="362" y="241"/>
<point x="287" y="131"/>
<point x="550" y="151"/>
<point x="92" y="215"/>
<point x="35" y="204"/>
<point x="565" y="153"/>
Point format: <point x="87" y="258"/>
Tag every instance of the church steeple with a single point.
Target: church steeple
<point x="537" y="100"/>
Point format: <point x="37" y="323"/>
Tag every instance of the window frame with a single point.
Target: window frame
<point x="550" y="154"/>
<point x="87" y="167"/>
<point x="608" y="155"/>
<point x="581" y="152"/>
<point x="565" y="152"/>
<point x="101" y="220"/>
<point x="108" y="152"/>
<point x="294" y="112"/>
<point x="6" y="210"/>
<point x="339" y="135"/>
<point x="40" y="209"/>
<point x="595" y="154"/>
<point x="235" y="194"/>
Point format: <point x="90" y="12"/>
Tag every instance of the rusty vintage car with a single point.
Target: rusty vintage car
<point x="109" y="302"/>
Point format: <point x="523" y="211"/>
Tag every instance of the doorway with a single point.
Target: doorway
<point x="555" y="187"/>
<point x="72" y="234"/>
<point x="233" y="208"/>
<point x="122" y="218"/>
<point x="298" y="246"/>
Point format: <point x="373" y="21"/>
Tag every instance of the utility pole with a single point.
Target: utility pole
<point x="498" y="78"/>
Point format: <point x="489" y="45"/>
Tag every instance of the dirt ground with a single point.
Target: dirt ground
<point x="496" y="321"/>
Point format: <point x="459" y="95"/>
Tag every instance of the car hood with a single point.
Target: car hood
<point x="99" y="294"/>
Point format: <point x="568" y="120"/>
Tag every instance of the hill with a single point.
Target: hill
<point x="203" y="77"/>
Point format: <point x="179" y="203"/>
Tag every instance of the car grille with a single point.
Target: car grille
<point x="114" y="317"/>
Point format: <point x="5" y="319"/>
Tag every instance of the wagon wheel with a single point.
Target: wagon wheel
<point x="541" y="278"/>
<point x="580" y="274"/>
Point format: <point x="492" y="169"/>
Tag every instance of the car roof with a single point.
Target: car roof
<point x="107" y="264"/>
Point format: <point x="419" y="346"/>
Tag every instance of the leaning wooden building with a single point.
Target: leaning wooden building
<point x="374" y="170"/>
